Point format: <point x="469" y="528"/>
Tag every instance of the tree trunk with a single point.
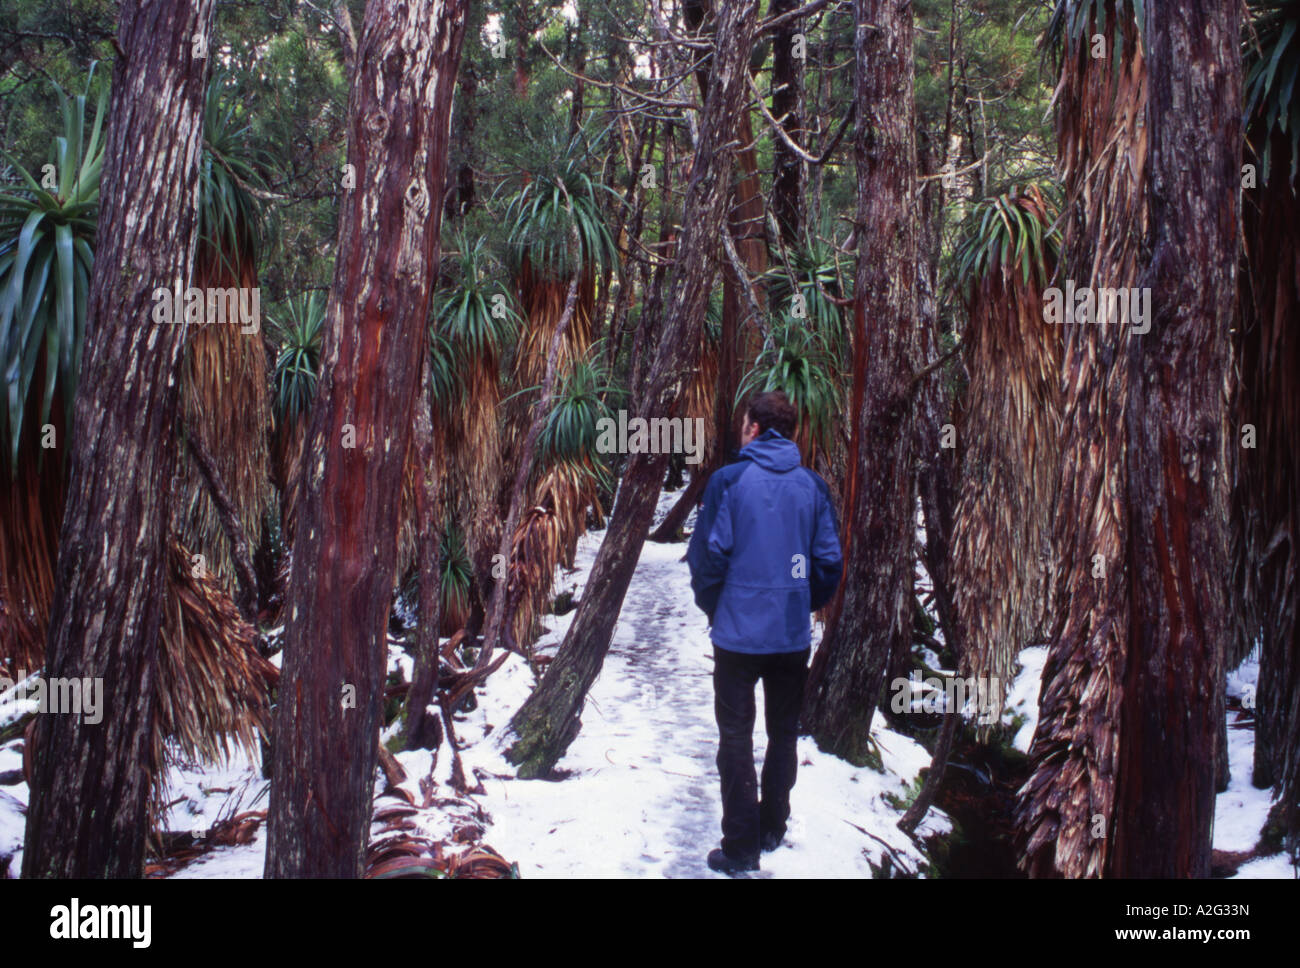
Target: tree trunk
<point x="938" y="493"/>
<point x="421" y="726"/>
<point x="550" y="719"/>
<point x="1073" y="754"/>
<point x="875" y="610"/>
<point x="627" y="231"/>
<point x="1268" y="483"/>
<point x="741" y="333"/>
<point x="87" y="816"/>
<point x="499" y="613"/>
<point x="737" y="347"/>
<point x="670" y="527"/>
<point x="341" y="585"/>
<point x="460" y="197"/>
<point x="1173" y="680"/>
<point x="1123" y="759"/>
<point x="787" y="108"/>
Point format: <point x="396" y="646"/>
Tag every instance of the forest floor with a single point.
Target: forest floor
<point x="637" y="793"/>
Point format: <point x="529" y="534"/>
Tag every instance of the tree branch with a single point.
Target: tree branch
<point x="247" y="597"/>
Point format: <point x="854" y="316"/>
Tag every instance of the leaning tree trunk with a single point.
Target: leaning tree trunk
<point x="875" y="612"/>
<point x="550" y="719"/>
<point x="341" y="585"/>
<point x="87" y="816"/>
<point x="738" y="345"/>
<point x="1173" y="680"/>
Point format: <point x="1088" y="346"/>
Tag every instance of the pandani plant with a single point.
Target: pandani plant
<point x="1007" y="427"/>
<point x="212" y="683"/>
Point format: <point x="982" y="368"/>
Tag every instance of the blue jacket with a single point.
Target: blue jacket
<point x="766" y="550"/>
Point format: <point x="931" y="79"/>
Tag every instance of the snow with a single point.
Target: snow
<point x="208" y="794"/>
<point x="641" y="798"/>
<point x="1022" y="696"/>
<point x="639" y="794"/>
<point x="1241" y="810"/>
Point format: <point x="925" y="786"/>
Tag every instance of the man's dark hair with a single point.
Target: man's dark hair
<point x="772" y="411"/>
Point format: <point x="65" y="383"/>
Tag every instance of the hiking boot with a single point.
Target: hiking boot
<point x="770" y="841"/>
<point x="720" y="860"/>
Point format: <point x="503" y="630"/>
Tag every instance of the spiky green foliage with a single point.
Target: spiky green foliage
<point x="473" y="319"/>
<point x="296" y="330"/>
<point x="1075" y="23"/>
<point x="46" y="236"/>
<point x="796" y="359"/>
<point x="457" y="574"/>
<point x="817" y="280"/>
<point x="1011" y="232"/>
<point x="445" y="384"/>
<point x="1271" y="62"/>
<point x="712" y="317"/>
<point x="581" y="399"/>
<point x="550" y="204"/>
<point x="233" y="222"/>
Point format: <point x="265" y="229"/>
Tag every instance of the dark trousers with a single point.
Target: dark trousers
<point x="744" y="815"/>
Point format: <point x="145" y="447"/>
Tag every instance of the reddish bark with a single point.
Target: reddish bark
<point x="341" y="586"/>
<point x="874" y="615"/>
<point x="1173" y="680"/>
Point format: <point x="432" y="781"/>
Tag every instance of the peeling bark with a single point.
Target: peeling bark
<point x="1173" y="679"/>
<point x="1123" y="780"/>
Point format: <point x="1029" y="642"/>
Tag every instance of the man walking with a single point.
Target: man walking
<point x="764" y="554"/>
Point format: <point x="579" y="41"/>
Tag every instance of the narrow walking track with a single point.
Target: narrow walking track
<point x="640" y="794"/>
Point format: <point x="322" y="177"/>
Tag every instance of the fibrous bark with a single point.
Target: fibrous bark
<point x="1176" y="426"/>
<point x="1074" y="750"/>
<point x="1124" y="778"/>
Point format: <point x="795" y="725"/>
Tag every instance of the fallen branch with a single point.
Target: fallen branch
<point x="247" y="597"/>
<point x="938" y="762"/>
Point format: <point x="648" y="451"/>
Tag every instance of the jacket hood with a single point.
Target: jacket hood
<point x="772" y="452"/>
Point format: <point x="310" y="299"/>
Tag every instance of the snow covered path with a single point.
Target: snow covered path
<point x="641" y="794"/>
